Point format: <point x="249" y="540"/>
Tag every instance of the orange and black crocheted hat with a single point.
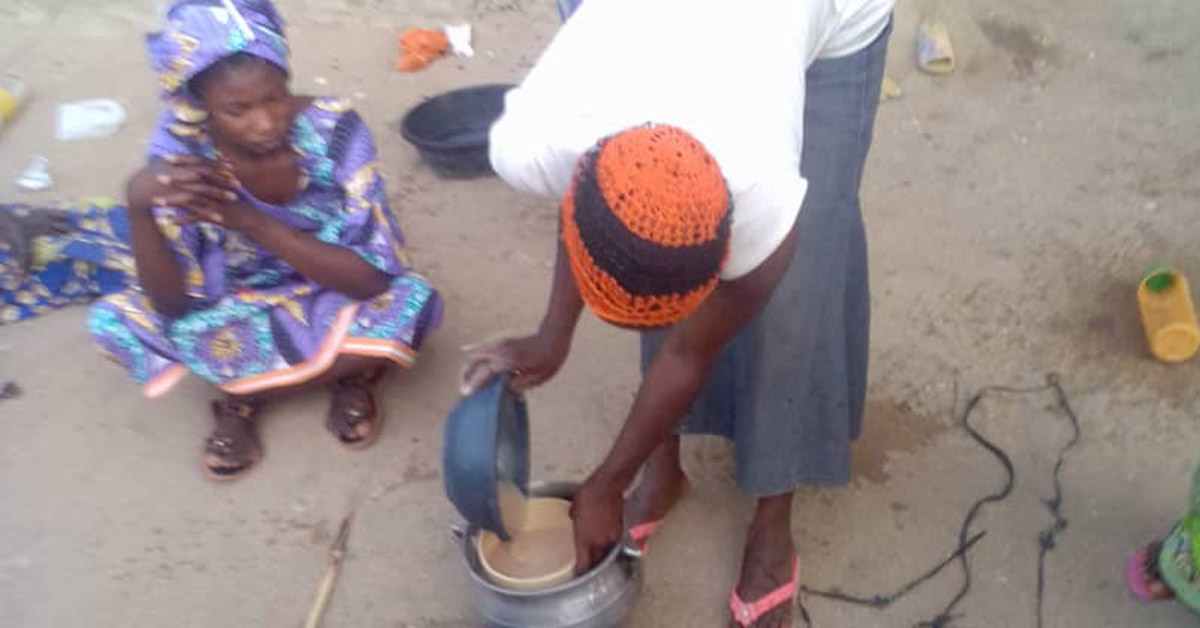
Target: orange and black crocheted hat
<point x="646" y="226"/>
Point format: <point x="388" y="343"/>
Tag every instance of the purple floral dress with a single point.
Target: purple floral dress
<point x="255" y="323"/>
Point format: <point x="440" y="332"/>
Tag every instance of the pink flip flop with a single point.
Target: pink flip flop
<point x="640" y="534"/>
<point x="1135" y="577"/>
<point x="746" y="614"/>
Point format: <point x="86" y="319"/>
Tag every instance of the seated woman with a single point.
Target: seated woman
<point x="266" y="254"/>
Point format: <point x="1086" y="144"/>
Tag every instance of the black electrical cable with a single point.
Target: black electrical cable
<point x="1047" y="538"/>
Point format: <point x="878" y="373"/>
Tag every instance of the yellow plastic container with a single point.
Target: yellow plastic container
<point x="12" y="95"/>
<point x="1165" y="301"/>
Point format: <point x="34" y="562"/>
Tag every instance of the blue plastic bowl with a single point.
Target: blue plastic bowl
<point x="486" y="442"/>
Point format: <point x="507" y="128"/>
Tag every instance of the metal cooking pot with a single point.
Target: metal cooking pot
<point x="602" y="598"/>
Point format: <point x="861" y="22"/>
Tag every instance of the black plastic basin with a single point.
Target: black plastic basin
<point x="451" y="130"/>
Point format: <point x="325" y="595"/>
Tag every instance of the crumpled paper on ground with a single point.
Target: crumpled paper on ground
<point x="459" y="36"/>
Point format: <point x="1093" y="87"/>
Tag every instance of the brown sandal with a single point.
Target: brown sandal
<point x="234" y="454"/>
<point x="353" y="407"/>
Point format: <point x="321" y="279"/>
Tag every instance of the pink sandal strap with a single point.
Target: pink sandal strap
<point x="1135" y="577"/>
<point x="642" y="532"/>
<point x="746" y="614"/>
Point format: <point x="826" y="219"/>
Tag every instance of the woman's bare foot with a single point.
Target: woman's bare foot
<point x="768" y="560"/>
<point x="663" y="483"/>
<point x="233" y="447"/>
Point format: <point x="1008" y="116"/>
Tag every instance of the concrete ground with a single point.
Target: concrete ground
<point x="1011" y="207"/>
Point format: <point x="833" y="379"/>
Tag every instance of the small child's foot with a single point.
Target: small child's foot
<point x="1143" y="577"/>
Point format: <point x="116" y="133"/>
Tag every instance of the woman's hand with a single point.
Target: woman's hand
<point x="598" y="511"/>
<point x="235" y="216"/>
<point x="195" y="185"/>
<point x="532" y="360"/>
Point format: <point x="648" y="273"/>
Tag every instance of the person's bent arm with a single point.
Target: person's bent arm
<point x="158" y="271"/>
<point x="329" y="265"/>
<point x="534" y="359"/>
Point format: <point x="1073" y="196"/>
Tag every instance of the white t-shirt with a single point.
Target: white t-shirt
<point x="730" y="72"/>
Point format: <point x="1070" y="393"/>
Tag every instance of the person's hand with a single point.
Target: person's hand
<point x="598" y="511"/>
<point x="531" y="360"/>
<point x="185" y="182"/>
<point x="202" y="190"/>
<point x="237" y="216"/>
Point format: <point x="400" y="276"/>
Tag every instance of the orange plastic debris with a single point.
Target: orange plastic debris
<point x="419" y="47"/>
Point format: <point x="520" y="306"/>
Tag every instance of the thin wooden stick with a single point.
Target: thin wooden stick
<point x="325" y="590"/>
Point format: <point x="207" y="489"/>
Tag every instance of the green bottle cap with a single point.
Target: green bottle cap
<point x="1158" y="278"/>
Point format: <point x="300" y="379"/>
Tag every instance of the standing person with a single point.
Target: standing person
<point x="708" y="157"/>
<point x="267" y="256"/>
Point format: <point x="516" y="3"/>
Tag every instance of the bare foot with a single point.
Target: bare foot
<point x="767" y="561"/>
<point x="662" y="485"/>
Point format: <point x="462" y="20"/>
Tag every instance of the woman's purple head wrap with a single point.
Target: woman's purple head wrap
<point x="199" y="33"/>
